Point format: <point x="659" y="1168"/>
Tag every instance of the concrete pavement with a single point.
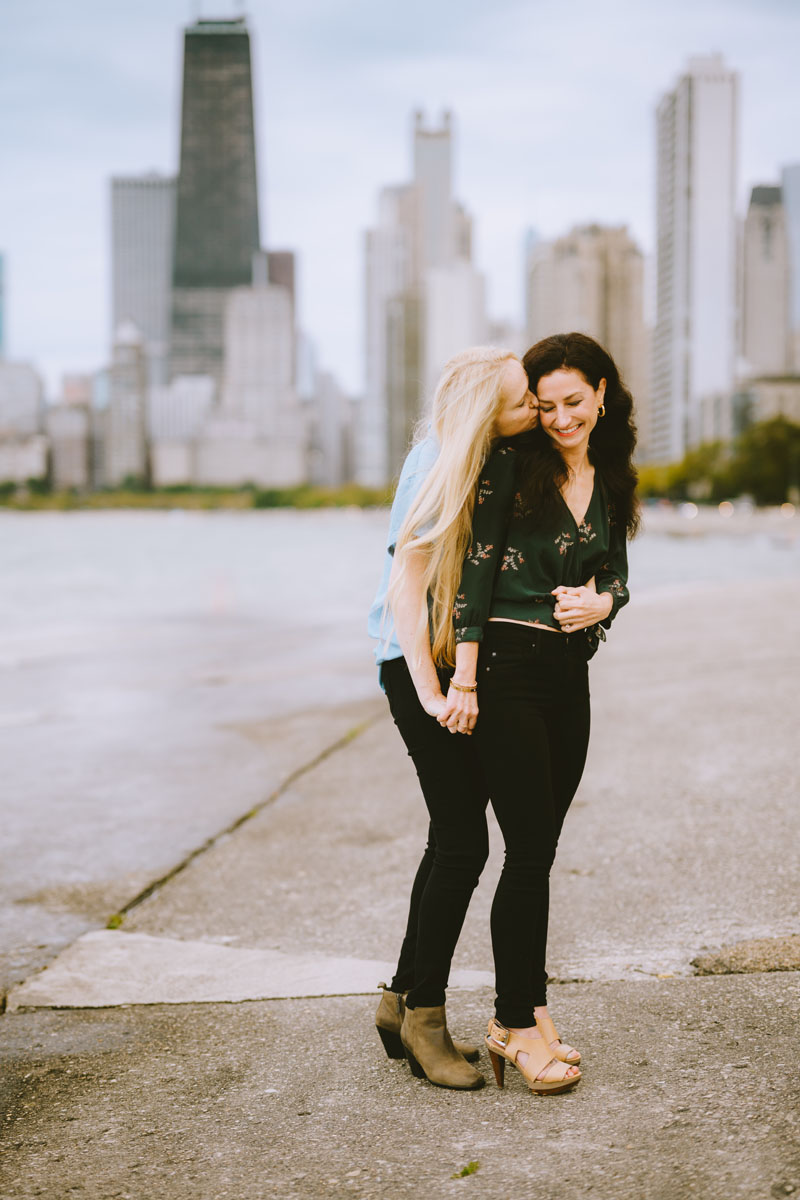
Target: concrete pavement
<point x="682" y="840"/>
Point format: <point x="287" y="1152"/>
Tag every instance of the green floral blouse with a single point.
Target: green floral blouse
<point x="513" y="564"/>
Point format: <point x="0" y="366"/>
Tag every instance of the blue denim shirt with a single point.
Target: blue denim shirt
<point x="415" y="469"/>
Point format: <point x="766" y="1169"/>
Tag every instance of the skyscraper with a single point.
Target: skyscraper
<point x="68" y="428"/>
<point x="433" y="176"/>
<point x="21" y="400"/>
<point x="765" y="326"/>
<point x="590" y="280"/>
<point x="392" y="332"/>
<point x="695" y="335"/>
<point x="455" y="318"/>
<point x="791" y="205"/>
<point x="216" y="226"/>
<point x="125" y="433"/>
<point x="259" y="362"/>
<point x="424" y="300"/>
<point x="142" y="245"/>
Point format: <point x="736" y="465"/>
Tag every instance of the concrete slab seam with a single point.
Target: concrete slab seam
<point x="116" y="920"/>
<point x="210" y="842"/>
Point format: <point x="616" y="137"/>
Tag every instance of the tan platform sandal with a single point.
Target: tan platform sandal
<point x="504" y="1045"/>
<point x="547" y="1029"/>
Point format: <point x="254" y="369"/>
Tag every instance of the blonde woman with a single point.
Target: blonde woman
<point x="482" y="398"/>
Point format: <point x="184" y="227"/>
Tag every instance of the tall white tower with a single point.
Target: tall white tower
<point x="424" y="300"/>
<point x="142" y="239"/>
<point x="433" y="175"/>
<point x="694" y="350"/>
<point x="392" y="332"/>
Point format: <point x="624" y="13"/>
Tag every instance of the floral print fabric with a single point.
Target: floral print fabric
<point x="513" y="566"/>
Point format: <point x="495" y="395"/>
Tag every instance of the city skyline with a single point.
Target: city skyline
<point x="325" y="153"/>
<point x="202" y="381"/>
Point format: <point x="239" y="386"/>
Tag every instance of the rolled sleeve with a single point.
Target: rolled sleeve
<point x="613" y="575"/>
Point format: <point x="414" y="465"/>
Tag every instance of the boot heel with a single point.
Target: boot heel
<point x="416" y="1069"/>
<point x="391" y="1043"/>
<point x="499" y="1066"/>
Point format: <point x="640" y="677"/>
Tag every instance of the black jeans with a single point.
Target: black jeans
<point x="451" y="779"/>
<point x="532" y="736"/>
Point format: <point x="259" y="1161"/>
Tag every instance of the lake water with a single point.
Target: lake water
<point x="277" y="598"/>
<point x="293" y="570"/>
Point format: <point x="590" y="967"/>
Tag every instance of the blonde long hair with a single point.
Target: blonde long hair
<point x="466" y="404"/>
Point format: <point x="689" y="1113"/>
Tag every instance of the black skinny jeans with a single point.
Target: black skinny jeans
<point x="532" y="736"/>
<point x="451" y="779"/>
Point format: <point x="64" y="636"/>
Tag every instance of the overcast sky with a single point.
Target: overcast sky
<point x="554" y="109"/>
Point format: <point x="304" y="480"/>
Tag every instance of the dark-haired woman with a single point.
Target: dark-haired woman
<point x="553" y="517"/>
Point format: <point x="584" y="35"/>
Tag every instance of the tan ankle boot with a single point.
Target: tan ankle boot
<point x="431" y="1053"/>
<point x="389" y="1018"/>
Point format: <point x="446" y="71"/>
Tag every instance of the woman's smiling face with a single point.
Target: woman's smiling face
<point x="568" y="407"/>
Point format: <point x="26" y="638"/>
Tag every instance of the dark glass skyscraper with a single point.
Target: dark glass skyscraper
<point x="216" y="225"/>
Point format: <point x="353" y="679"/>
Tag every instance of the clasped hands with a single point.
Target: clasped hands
<point x="458" y="711"/>
<point x="576" y="608"/>
<point x="579" y="607"/>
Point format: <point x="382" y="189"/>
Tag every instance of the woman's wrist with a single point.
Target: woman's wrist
<point x="607" y="602"/>
<point x="429" y="691"/>
<point x="464" y="678"/>
<point x="471" y="686"/>
<point x="466" y="665"/>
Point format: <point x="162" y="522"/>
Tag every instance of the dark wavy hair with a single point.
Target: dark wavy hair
<point x="611" y="442"/>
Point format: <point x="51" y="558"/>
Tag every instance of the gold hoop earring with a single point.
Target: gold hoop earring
<point x="601" y="412"/>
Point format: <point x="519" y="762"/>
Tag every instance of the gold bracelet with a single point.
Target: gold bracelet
<point x="473" y="687"/>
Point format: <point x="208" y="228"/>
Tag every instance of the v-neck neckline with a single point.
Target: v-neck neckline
<point x="588" y="506"/>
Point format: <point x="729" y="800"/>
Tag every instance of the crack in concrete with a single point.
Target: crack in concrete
<point x="117" y="918"/>
<point x="350" y="736"/>
<point x="106" y="969"/>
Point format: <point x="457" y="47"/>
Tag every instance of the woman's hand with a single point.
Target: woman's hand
<point x="460" y="712"/>
<point x="461" y="708"/>
<point x="434" y="703"/>
<point x="578" y="608"/>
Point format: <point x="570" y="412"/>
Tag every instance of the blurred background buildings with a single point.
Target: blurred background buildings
<point x="215" y="312"/>
<point x="210" y="381"/>
<point x="424" y="300"/>
<point x="592" y="280"/>
<point x="142" y="241"/>
<point x="694" y="343"/>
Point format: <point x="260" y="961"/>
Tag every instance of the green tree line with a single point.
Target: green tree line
<point x="763" y="462"/>
<point x="135" y="493"/>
